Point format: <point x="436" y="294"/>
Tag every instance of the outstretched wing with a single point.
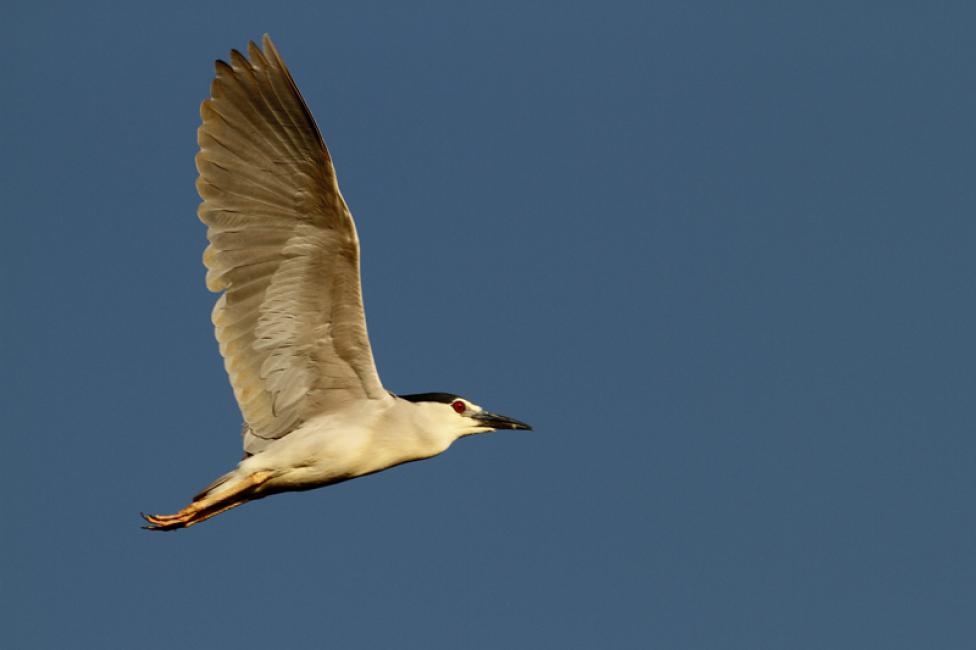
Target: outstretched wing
<point x="283" y="250"/>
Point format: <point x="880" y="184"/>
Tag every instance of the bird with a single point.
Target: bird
<point x="284" y="256"/>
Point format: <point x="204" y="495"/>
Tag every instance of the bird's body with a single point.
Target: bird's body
<point x="365" y="438"/>
<point x="290" y="321"/>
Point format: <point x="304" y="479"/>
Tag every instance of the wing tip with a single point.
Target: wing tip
<point x="238" y="60"/>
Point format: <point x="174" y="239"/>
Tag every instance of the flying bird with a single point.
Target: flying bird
<point x="284" y="255"/>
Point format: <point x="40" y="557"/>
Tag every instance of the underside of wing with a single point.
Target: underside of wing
<point x="283" y="250"/>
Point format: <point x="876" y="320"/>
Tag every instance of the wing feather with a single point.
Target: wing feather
<point x="283" y="250"/>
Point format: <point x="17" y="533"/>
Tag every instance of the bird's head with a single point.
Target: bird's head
<point x="448" y="412"/>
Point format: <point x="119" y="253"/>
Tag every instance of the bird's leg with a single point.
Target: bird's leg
<point x="194" y="507"/>
<point x="224" y="507"/>
<point x="209" y="506"/>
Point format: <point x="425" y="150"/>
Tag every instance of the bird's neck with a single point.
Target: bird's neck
<point x="421" y="429"/>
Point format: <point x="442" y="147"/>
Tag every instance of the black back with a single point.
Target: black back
<point x="440" y="398"/>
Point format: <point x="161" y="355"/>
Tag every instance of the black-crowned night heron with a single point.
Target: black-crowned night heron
<point x="290" y="322"/>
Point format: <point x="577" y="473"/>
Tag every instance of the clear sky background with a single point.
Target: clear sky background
<point x="721" y="255"/>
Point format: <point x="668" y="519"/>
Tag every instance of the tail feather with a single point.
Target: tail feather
<point x="213" y="486"/>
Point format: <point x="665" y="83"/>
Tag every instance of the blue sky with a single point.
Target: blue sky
<point x="721" y="257"/>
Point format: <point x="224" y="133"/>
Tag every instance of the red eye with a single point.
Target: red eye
<point x="458" y="406"/>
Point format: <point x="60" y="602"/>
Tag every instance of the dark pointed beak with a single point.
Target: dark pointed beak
<point x="496" y="421"/>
